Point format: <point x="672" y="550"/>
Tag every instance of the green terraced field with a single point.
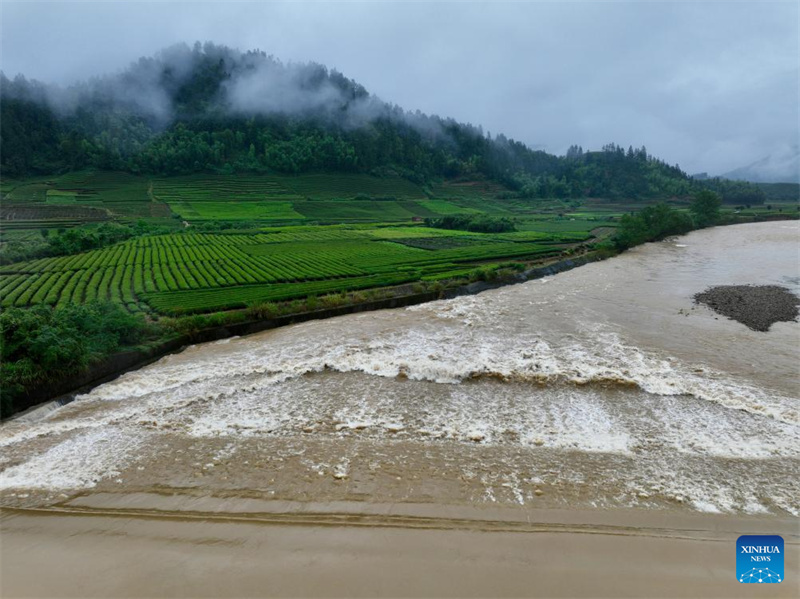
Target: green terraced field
<point x="55" y="196"/>
<point x="344" y="186"/>
<point x="227" y="197"/>
<point x="354" y="210"/>
<point x="318" y="198"/>
<point x="468" y="189"/>
<point x="271" y="199"/>
<point x="443" y="207"/>
<point x="78" y="198"/>
<point x="570" y="225"/>
<point x="293" y="246"/>
<point x="185" y="272"/>
<point x="233" y="210"/>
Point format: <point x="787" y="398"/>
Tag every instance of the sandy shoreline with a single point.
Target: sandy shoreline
<point x="115" y="545"/>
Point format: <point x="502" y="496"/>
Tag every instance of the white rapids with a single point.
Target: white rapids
<point x="602" y="386"/>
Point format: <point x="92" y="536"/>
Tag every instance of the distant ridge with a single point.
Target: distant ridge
<point x="780" y="167"/>
<point x="207" y="108"/>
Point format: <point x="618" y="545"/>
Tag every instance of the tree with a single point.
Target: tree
<point x="705" y="208"/>
<point x="652" y="223"/>
<point x="206" y="133"/>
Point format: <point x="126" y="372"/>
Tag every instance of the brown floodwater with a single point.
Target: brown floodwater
<point x="602" y="387"/>
<point x="566" y="553"/>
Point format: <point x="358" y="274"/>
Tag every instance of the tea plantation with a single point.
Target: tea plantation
<point x="235" y="240"/>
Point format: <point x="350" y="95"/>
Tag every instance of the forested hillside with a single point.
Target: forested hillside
<point x="213" y="109"/>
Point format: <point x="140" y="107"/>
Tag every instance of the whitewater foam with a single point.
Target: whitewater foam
<point x="594" y="379"/>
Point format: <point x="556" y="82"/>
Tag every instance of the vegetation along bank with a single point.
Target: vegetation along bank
<point x="49" y="352"/>
<point x="126" y="233"/>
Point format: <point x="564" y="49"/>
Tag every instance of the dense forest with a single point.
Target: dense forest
<point x="209" y="108"/>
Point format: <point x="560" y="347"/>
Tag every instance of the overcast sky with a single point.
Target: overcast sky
<point x="708" y="85"/>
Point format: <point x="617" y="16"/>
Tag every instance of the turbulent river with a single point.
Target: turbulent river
<point x="601" y="387"/>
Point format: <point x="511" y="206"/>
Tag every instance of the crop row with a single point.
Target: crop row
<point x="182" y="302"/>
<point x="348" y="185"/>
<point x="207" y="266"/>
<point x="219" y="189"/>
<point x="60" y="288"/>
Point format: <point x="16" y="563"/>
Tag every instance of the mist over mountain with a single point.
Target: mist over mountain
<point x="181" y="83"/>
<point x="211" y="108"/>
<point x="781" y="167"/>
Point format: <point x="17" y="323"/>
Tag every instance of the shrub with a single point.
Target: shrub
<point x="488" y="273"/>
<point x="43" y="344"/>
<point x="651" y="224"/>
<point x="705" y="208"/>
<point x="262" y="310"/>
<point x="478" y="224"/>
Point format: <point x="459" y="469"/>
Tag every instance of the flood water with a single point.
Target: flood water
<point x="604" y="386"/>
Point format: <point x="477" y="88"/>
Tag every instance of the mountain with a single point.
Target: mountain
<point x="209" y="108"/>
<point x="780" y="167"/>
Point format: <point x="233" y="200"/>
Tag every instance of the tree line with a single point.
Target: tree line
<point x="475" y="223"/>
<point x="115" y="123"/>
<point x="659" y="221"/>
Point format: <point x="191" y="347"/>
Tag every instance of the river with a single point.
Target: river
<point x="601" y="387"/>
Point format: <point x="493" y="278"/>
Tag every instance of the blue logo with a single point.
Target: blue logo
<point x="759" y="558"/>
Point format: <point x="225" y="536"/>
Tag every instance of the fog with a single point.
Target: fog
<point x="709" y="86"/>
<point x="254" y="84"/>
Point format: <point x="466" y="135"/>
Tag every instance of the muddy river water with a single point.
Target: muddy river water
<point x="601" y="387"/>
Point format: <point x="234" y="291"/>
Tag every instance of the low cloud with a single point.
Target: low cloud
<point x="711" y="86"/>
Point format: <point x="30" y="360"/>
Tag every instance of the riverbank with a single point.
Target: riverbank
<point x="578" y="435"/>
<point x="270" y="550"/>
<point x="195" y="329"/>
<point x="61" y="392"/>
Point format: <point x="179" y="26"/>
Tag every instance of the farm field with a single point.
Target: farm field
<point x="77" y="198"/>
<point x="166" y="273"/>
<point x="243" y="239"/>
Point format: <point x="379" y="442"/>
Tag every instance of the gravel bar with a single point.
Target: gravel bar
<point x="755" y="306"/>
